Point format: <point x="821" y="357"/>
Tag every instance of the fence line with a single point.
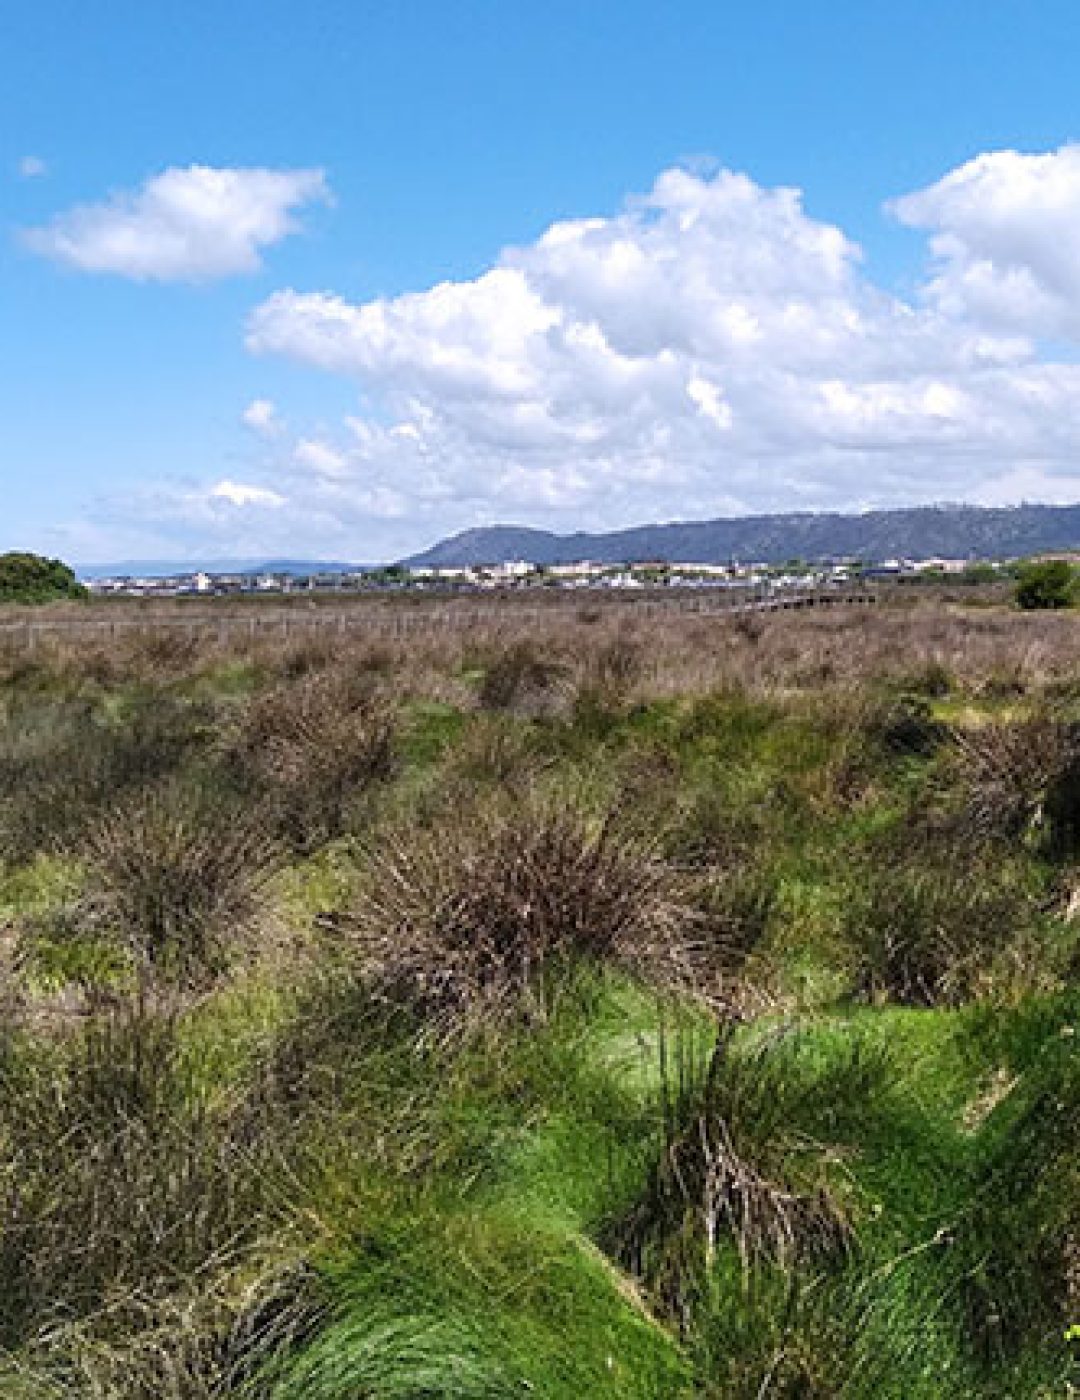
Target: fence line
<point x="397" y="621"/>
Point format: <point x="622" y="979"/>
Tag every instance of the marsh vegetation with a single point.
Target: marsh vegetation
<point x="585" y="1003"/>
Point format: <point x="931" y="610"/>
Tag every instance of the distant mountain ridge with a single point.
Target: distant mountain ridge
<point x="918" y="532"/>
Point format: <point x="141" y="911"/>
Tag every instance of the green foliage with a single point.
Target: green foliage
<point x="1046" y="583"/>
<point x="31" y="578"/>
<point x="762" y="1074"/>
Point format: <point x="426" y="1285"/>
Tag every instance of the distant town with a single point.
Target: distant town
<point x="520" y="574"/>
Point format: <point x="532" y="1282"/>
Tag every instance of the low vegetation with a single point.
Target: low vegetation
<point x="580" y="1001"/>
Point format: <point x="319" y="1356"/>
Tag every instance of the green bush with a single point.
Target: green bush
<point x="30" y="578"/>
<point x="1045" y="583"/>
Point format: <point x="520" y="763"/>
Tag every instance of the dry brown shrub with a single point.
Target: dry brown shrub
<point x="1019" y="777"/>
<point x="473" y="916"/>
<point x="726" y="1172"/>
<point x="307" y="752"/>
<point x="177" y="876"/>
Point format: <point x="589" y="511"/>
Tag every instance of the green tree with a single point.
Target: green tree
<point x="31" y="578"/>
<point x="1045" y="583"/>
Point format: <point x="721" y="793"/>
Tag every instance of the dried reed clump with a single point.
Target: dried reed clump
<point x="1020" y="777"/>
<point x="930" y="928"/>
<point x="64" y="761"/>
<point x="613" y="667"/>
<point x="521" y="677"/>
<point x="306" y="752"/>
<point x="609" y="671"/>
<point x="137" y="1253"/>
<point x="162" y="653"/>
<point x="726" y="1173"/>
<point x="177" y="875"/>
<point x="307" y="653"/>
<point x="482" y="911"/>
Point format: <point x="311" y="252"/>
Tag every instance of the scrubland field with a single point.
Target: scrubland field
<point x="593" y="1002"/>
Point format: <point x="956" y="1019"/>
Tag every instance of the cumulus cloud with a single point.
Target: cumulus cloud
<point x="184" y="225"/>
<point x="1004" y="235"/>
<point x="321" y="459"/>
<point x="710" y="348"/>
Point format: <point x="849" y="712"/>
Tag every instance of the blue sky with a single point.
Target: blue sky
<point x="223" y="226"/>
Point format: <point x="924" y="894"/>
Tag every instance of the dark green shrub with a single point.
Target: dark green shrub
<point x="1021" y="1241"/>
<point x="932" y="679"/>
<point x="520" y="678"/>
<point x="31" y="578"/>
<point x="929" y="927"/>
<point x="1019" y="780"/>
<point x="904" y="725"/>
<point x="1045" y="583"/>
<point x="135" y="1240"/>
<point x="63" y="761"/>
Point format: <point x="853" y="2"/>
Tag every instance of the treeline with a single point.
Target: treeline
<point x="31" y="578"/>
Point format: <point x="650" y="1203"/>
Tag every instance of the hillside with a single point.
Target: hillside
<point x="923" y="532"/>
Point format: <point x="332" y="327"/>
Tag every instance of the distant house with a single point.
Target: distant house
<point x="942" y="566"/>
<point x="510" y="570"/>
<point x="582" y="569"/>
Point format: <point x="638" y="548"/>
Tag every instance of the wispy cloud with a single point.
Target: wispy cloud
<point x="261" y="416"/>
<point x="32" y="168"/>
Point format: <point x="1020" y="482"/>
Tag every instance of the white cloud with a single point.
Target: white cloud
<point x="184" y="225"/>
<point x="1006" y="240"/>
<point x="238" y="493"/>
<point x="321" y="459"/>
<point x="708" y="349"/>
<point x="710" y="402"/>
<point x="32" y="168"/>
<point x="261" y="417"/>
